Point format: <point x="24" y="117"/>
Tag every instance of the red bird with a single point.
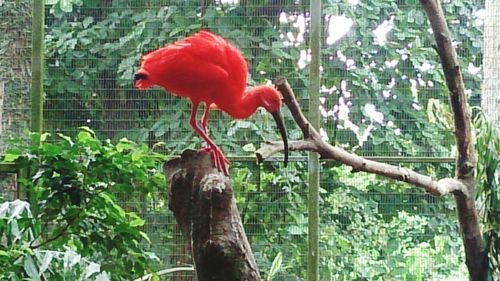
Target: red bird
<point x="206" y="68"/>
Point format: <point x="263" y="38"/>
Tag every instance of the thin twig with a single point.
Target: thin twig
<point x="53" y="238"/>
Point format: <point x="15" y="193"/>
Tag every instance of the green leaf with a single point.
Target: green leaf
<point x="91" y="269"/>
<point x="66" y="6"/>
<point x="420" y="17"/>
<point x="9" y="157"/>
<point x="87" y="129"/>
<point x="145" y="236"/>
<point x="30" y="268"/>
<point x="87" y="21"/>
<point x="136" y="156"/>
<point x="249" y="147"/>
<point x="66" y="138"/>
<point x="47" y="259"/>
<point x="275" y="266"/>
<point x="137" y="221"/>
<point x="50" y="149"/>
<point x="83" y="136"/>
<point x="125" y="145"/>
<point x="19" y="207"/>
<point x="103" y="276"/>
<point x="71" y="258"/>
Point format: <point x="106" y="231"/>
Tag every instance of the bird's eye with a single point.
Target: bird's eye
<point x="139" y="76"/>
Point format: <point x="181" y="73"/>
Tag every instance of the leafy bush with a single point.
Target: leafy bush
<point x="75" y="226"/>
<point x="370" y="228"/>
<point x="488" y="182"/>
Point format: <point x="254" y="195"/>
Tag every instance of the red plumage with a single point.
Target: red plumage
<point x="207" y="68"/>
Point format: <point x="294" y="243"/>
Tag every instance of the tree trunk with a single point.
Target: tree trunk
<point x="476" y="256"/>
<point x="490" y="98"/>
<point x="203" y="204"/>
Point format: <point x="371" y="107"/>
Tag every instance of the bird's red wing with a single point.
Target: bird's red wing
<point x="183" y="70"/>
<point x="198" y="66"/>
<point x="210" y="47"/>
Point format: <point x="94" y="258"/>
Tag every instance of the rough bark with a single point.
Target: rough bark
<point x="203" y="204"/>
<point x="476" y="256"/>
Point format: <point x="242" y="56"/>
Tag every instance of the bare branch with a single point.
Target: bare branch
<point x="466" y="159"/>
<point x="313" y="142"/>
<point x="61" y="233"/>
<point x="272" y="147"/>
<point x="447" y="185"/>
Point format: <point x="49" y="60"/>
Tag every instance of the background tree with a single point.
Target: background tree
<point x="490" y="100"/>
<point x="14" y="68"/>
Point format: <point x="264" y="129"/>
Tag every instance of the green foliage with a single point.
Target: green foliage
<point x="19" y="258"/>
<point x="488" y="184"/>
<point x="401" y="78"/>
<point x="76" y="185"/>
<point x="370" y="241"/>
<point x="82" y="52"/>
<point x="370" y="228"/>
<point x="62" y="6"/>
<point x="91" y="58"/>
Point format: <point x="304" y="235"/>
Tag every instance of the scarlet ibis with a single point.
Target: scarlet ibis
<point x="207" y="69"/>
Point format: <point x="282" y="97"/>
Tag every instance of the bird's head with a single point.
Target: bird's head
<point x="142" y="79"/>
<point x="270" y="99"/>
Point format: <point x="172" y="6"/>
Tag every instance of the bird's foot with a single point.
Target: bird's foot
<point x="220" y="161"/>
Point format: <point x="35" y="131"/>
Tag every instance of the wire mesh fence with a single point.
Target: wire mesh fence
<point x="15" y="77"/>
<point x="15" y="72"/>
<point x="382" y="95"/>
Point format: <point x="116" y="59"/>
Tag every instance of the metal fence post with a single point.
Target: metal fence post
<point x="37" y="66"/>
<point x="37" y="54"/>
<point x="314" y="165"/>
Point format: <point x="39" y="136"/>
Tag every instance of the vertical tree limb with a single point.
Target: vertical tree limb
<point x="475" y="253"/>
<point x="203" y="204"/>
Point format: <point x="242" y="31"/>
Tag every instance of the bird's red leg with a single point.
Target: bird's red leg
<point x="220" y="160"/>
<point x="204" y="118"/>
<point x="204" y="122"/>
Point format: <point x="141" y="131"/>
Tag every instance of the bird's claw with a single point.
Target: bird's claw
<point x="220" y="161"/>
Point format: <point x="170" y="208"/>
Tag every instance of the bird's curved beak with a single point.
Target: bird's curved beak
<point x="281" y="127"/>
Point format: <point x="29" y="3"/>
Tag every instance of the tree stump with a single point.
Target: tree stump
<point x="203" y="204"/>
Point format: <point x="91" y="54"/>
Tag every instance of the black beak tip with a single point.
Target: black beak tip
<point x="281" y="127"/>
